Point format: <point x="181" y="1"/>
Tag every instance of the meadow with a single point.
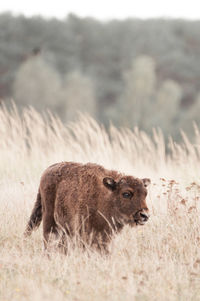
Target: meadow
<point x="158" y="261"/>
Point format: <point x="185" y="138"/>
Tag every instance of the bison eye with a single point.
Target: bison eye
<point x="127" y="195"/>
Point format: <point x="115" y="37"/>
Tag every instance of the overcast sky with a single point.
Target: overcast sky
<point x="105" y="9"/>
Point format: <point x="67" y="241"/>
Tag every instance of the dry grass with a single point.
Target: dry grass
<point x="159" y="261"/>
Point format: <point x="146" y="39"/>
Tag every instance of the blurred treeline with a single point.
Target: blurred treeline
<point x="130" y="72"/>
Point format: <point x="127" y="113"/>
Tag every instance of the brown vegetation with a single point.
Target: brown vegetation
<point x="89" y="200"/>
<point x="159" y="261"/>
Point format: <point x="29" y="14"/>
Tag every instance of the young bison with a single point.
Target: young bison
<point x="87" y="199"/>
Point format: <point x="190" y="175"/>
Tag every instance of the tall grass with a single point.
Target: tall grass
<point x="159" y="261"/>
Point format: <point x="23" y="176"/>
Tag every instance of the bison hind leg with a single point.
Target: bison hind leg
<point x="50" y="232"/>
<point x="54" y="234"/>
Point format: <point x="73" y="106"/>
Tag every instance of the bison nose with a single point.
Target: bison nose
<point x="144" y="217"/>
<point x="141" y="217"/>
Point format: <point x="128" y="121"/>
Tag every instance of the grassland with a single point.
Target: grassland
<point x="158" y="261"/>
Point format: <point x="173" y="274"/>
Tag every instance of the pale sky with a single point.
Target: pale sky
<point x="105" y="9"/>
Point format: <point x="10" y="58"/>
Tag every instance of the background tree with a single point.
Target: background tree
<point x="37" y="84"/>
<point x="167" y="106"/>
<point x="139" y="88"/>
<point x="78" y="95"/>
<point x="103" y="52"/>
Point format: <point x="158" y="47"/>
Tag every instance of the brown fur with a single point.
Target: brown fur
<point x="89" y="199"/>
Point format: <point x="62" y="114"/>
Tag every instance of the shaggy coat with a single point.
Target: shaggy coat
<point x="88" y="199"/>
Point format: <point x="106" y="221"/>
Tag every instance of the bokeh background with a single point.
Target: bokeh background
<point x="128" y="68"/>
<point x="125" y="63"/>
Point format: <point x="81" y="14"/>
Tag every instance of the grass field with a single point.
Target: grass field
<point x="158" y="261"/>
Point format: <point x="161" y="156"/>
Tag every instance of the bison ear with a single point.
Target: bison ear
<point x="146" y="182"/>
<point x="109" y="183"/>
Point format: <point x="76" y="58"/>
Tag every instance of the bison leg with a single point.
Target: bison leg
<point x="49" y="227"/>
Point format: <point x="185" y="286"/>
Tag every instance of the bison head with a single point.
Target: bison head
<point x="128" y="197"/>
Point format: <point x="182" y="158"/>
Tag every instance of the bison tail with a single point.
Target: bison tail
<point x="36" y="216"/>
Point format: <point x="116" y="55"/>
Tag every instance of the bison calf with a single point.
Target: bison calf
<point x="88" y="199"/>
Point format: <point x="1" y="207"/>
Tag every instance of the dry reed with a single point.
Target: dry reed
<point x="159" y="261"/>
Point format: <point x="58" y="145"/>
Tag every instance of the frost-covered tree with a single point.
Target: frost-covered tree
<point x="190" y="116"/>
<point x="194" y="112"/>
<point x="37" y="84"/>
<point x="78" y="95"/>
<point x="167" y="105"/>
<point x="139" y="88"/>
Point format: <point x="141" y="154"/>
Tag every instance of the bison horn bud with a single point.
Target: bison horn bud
<point x="122" y="181"/>
<point x="109" y="183"/>
<point x="146" y="182"/>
